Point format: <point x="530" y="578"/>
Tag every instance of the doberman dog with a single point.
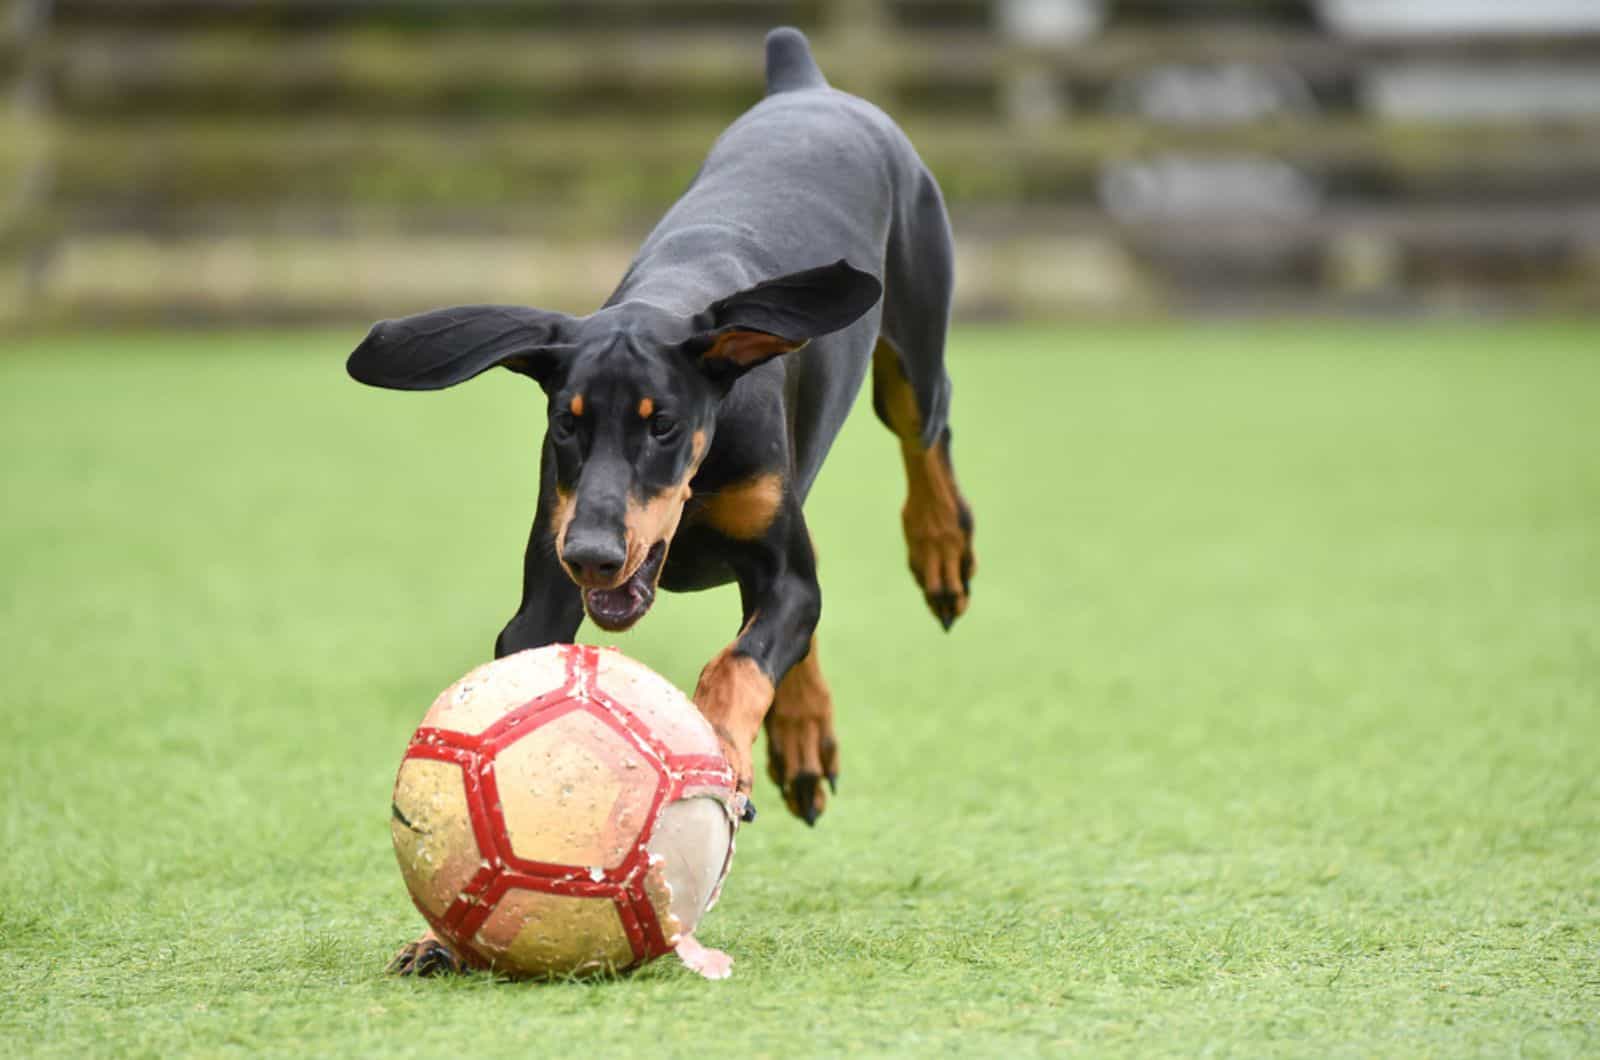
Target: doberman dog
<point x="689" y="416"/>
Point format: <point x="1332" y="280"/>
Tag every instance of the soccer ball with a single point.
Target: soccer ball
<point x="563" y="810"/>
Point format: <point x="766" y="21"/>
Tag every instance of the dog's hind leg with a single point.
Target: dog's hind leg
<point x="911" y="395"/>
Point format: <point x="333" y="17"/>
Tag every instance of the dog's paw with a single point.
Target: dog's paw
<point x="938" y="530"/>
<point x="733" y="695"/>
<point x="802" y="752"/>
<point x="738" y="757"/>
<point x="426" y="957"/>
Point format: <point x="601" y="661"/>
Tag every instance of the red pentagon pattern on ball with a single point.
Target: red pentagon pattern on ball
<point x="562" y="810"/>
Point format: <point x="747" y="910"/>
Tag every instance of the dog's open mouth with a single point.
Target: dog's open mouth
<point x="616" y="609"/>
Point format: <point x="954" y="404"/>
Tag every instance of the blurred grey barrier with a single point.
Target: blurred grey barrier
<point x="186" y="161"/>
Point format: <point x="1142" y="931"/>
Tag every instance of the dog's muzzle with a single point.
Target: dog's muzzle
<point x="615" y="610"/>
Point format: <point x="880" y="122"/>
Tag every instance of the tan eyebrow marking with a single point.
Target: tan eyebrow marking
<point x="577" y="405"/>
<point x="646" y="407"/>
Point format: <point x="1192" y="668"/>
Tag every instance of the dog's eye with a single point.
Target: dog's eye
<point x="663" y="426"/>
<point x="562" y="424"/>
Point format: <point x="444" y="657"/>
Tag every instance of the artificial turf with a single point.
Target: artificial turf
<point x="1274" y="728"/>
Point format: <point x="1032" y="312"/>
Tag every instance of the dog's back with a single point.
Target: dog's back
<point x="797" y="178"/>
<point x="807" y="176"/>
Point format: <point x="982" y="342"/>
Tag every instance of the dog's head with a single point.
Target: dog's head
<point x="633" y="396"/>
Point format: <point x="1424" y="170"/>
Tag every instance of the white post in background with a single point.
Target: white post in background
<point x="1032" y="92"/>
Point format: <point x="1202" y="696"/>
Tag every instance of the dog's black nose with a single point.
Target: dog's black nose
<point x="594" y="559"/>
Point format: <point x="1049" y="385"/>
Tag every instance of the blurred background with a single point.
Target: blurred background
<point x="255" y="161"/>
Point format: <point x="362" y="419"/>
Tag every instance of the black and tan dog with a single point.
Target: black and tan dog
<point x="689" y="416"/>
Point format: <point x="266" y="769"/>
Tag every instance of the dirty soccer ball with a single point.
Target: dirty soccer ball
<point x="563" y="810"/>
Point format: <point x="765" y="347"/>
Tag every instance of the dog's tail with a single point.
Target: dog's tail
<point x="790" y="67"/>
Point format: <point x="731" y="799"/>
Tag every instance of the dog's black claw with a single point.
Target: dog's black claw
<point x="833" y="783"/>
<point x="943" y="605"/>
<point x="803" y="789"/>
<point x="749" y="812"/>
<point x="435" y="963"/>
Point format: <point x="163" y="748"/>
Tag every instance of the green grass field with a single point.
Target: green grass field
<point x="1274" y="728"/>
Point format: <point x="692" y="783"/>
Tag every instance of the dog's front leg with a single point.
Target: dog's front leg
<point x="782" y="602"/>
<point x="552" y="606"/>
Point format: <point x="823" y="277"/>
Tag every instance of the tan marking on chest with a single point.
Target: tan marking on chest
<point x="744" y="510"/>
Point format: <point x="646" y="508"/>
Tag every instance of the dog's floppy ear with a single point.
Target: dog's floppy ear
<point x="775" y="317"/>
<point x="434" y="350"/>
